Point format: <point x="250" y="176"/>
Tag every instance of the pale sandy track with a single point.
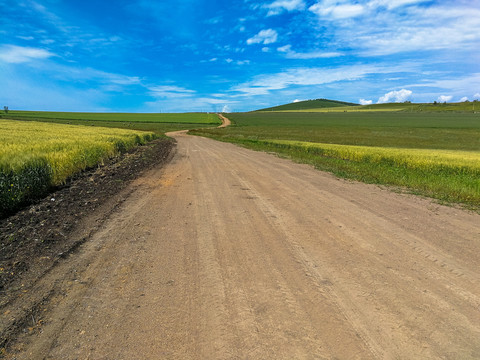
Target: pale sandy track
<point x="232" y="254"/>
<point x="225" y="121"/>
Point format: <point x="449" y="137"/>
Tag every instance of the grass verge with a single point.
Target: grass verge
<point x="445" y="175"/>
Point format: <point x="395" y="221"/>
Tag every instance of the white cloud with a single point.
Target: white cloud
<point x="297" y="100"/>
<point x="365" y="102"/>
<point x="280" y="6"/>
<point x="334" y="10"/>
<point x="476" y="96"/>
<point x="226" y="109"/>
<point x="395" y="96"/>
<point x="265" y="37"/>
<point x="463" y="99"/>
<point x="265" y="49"/>
<point x="291" y="54"/>
<point x="444" y="98"/>
<point x="169" y="91"/>
<point x="285" y="48"/>
<point x="264" y="84"/>
<point x="27" y="38"/>
<point x="18" y="54"/>
<point x="392" y="4"/>
<point x="376" y="27"/>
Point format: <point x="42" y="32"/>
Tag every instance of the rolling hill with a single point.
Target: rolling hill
<point x="309" y="104"/>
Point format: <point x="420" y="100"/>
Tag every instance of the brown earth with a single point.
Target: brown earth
<point x="225" y="121"/>
<point x="227" y="253"/>
<point x="36" y="239"/>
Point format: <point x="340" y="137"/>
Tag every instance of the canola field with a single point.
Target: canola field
<point x="35" y="156"/>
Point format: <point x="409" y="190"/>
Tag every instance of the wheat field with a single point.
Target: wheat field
<point x="35" y="156"/>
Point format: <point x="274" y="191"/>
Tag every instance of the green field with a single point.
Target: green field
<point x="186" y="118"/>
<point x="311" y="106"/>
<point x="35" y="156"/>
<point x="159" y="123"/>
<point x="372" y="147"/>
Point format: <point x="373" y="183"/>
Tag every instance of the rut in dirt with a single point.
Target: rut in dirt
<point x="228" y="253"/>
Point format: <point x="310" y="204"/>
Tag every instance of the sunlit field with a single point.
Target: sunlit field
<point x="433" y="154"/>
<point x="35" y="156"/>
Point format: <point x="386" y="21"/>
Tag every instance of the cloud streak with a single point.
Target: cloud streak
<point x="335" y="11"/>
<point x="264" y="84"/>
<point x="19" y="54"/>
<point x="291" y="54"/>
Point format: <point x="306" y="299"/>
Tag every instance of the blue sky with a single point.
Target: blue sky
<point x="235" y="55"/>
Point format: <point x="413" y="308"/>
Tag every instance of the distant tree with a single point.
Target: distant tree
<point x="5" y="108"/>
<point x="435" y="102"/>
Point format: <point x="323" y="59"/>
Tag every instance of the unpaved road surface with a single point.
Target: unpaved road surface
<point x="232" y="254"/>
<point x="225" y="121"/>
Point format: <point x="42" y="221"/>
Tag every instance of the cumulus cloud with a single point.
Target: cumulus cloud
<point x="444" y="98"/>
<point x="280" y="6"/>
<point x="463" y="99"/>
<point x="297" y="100"/>
<point x="18" y="54"/>
<point x="365" y="102"/>
<point x="476" y="96"/>
<point x="226" y="109"/>
<point x="395" y="96"/>
<point x="268" y="36"/>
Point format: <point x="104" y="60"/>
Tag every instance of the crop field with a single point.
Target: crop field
<point x="186" y="118"/>
<point x="433" y="154"/>
<point x="158" y="123"/>
<point x="35" y="156"/>
<point x="327" y="106"/>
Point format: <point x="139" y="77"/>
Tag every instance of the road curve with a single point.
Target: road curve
<point x="225" y="121"/>
<point x="228" y="253"/>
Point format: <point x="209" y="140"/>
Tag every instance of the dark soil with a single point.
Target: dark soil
<point x="36" y="238"/>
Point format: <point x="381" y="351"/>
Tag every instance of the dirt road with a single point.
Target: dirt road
<point x="232" y="254"/>
<point x="225" y="121"/>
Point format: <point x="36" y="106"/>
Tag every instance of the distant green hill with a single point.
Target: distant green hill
<point x="309" y="104"/>
<point x="324" y="105"/>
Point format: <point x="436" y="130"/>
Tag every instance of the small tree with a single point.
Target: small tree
<point x="5" y="108"/>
